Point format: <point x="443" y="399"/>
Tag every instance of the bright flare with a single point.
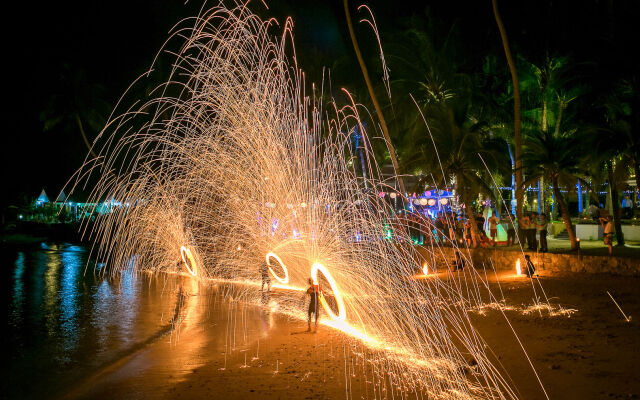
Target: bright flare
<point x="186" y="252"/>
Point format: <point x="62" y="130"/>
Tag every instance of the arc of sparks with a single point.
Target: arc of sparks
<point x="617" y="305"/>
<point x="284" y="280"/>
<point x="186" y="252"/>
<point x="336" y="292"/>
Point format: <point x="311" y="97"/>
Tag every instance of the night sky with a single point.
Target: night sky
<point x="113" y="42"/>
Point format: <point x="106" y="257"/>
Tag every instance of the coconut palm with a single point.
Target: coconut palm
<point x="77" y="104"/>
<point x="374" y="99"/>
<point x="623" y="119"/>
<point x="451" y="151"/>
<point x="517" y="140"/>
<point x="557" y="159"/>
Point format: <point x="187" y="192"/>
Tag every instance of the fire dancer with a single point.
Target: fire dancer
<point x="314" y="307"/>
<point x="264" y="271"/>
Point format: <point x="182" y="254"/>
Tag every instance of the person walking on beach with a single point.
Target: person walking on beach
<point x="314" y="303"/>
<point x="607" y="225"/>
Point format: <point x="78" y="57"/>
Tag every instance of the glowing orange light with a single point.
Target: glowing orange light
<point x="518" y="270"/>
<point x="186" y="252"/>
<point x="425" y="268"/>
<point x="284" y="280"/>
<point x="334" y="287"/>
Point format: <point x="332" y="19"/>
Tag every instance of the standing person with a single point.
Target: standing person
<point x="530" y="269"/>
<point x="439" y="225"/>
<point x="459" y="227"/>
<point x="480" y="222"/>
<point x="314" y="303"/>
<point x="458" y="261"/>
<point x="607" y="225"/>
<point x="493" y="228"/>
<point x="533" y="242"/>
<point x="445" y="228"/>
<point x="266" y="280"/>
<point x="541" y="226"/>
<point x="467" y="231"/>
<point x="511" y="231"/>
<point x="523" y="230"/>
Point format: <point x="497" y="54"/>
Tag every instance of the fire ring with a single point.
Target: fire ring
<point x="186" y="252"/>
<point x="332" y="283"/>
<point x="284" y="280"/>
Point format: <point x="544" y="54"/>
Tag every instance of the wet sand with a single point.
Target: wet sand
<point x="244" y="351"/>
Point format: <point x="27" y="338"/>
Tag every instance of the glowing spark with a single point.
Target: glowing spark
<point x="518" y="270"/>
<point x="425" y="268"/>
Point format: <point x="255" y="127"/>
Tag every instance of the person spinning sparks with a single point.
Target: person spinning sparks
<point x="264" y="271"/>
<point x="314" y="299"/>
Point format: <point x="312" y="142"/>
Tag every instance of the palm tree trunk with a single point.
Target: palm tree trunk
<point x="545" y="111"/>
<point x="636" y="169"/>
<point x="374" y="99"/>
<point x="565" y="214"/>
<point x="84" y="136"/>
<point x="516" y="109"/>
<point x="559" y="118"/>
<point x="615" y="203"/>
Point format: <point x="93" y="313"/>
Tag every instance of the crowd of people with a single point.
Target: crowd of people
<point x="448" y="228"/>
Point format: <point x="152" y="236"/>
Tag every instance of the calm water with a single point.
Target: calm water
<point x="63" y="325"/>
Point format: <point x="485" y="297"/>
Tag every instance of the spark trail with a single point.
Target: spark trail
<point x="231" y="160"/>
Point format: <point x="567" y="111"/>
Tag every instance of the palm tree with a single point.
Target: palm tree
<point x="623" y="119"/>
<point x="374" y="99"/>
<point x="450" y="153"/>
<point x="557" y="159"/>
<point x="608" y="156"/>
<point x="76" y="105"/>
<point x="516" y="109"/>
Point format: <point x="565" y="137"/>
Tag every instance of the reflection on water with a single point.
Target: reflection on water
<point x="64" y="326"/>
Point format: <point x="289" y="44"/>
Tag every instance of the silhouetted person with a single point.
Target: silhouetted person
<point x="541" y="226"/>
<point x="266" y="280"/>
<point x="523" y="230"/>
<point x="458" y="261"/>
<point x="314" y="303"/>
<point x="493" y="228"/>
<point x="607" y="225"/>
<point x="511" y="232"/>
<point x="530" y="269"/>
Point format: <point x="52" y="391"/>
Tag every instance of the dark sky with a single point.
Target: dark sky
<point x="114" y="41"/>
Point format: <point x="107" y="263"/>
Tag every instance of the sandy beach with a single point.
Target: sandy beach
<point x="235" y="350"/>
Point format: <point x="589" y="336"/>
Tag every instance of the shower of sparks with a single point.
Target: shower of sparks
<point x="232" y="161"/>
